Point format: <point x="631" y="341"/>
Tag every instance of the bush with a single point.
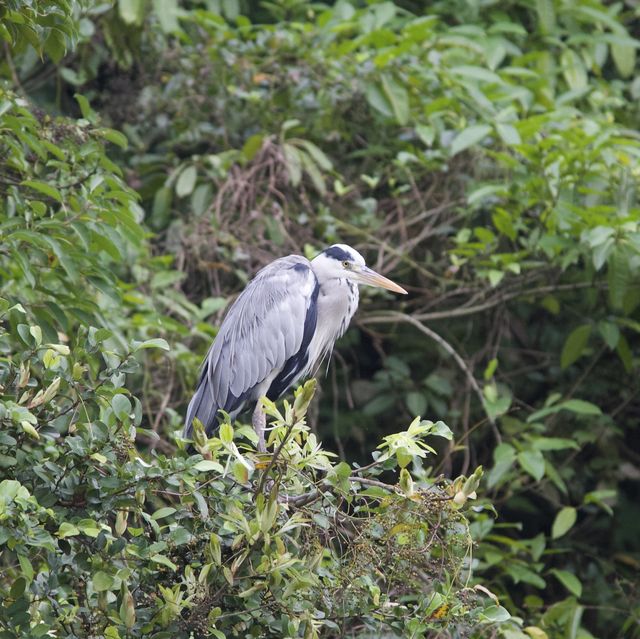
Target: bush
<point x="99" y="542"/>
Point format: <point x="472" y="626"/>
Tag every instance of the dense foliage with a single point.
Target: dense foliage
<point x="153" y="155"/>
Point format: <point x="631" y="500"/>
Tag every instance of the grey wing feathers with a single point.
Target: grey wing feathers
<point x="261" y="331"/>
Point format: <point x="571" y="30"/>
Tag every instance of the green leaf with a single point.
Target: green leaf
<point x="532" y="462"/>
<point x="207" y="464"/>
<point x="574" y="345"/>
<point x="377" y="99"/>
<point x="397" y="97"/>
<point x="563" y="521"/>
<point x="67" y="530"/>
<point x="121" y="406"/>
<point x="167" y="13"/>
<point x="546" y="16"/>
<point x="495" y="614"/>
<point x="468" y="137"/>
<point x="619" y="277"/>
<point x="156" y="342"/>
<point x="85" y="108"/>
<point x="161" y="513"/>
<point x="102" y="581"/>
<point x="165" y="561"/>
<point x="252" y="145"/>
<point x="624" y="57"/>
<point x="114" y="136"/>
<point x="416" y="403"/>
<point x="55" y="45"/>
<point x="43" y="187"/>
<point x="131" y="11"/>
<point x="294" y="163"/>
<point x="426" y="134"/>
<point x="342" y="470"/>
<point x="573" y="69"/>
<point x="624" y="353"/>
<point x="226" y="433"/>
<point x="610" y="333"/>
<point x="18" y="587"/>
<point x="508" y="134"/>
<point x="569" y="581"/>
<point x="318" y="155"/>
<point x="581" y="407"/>
<point x="554" y="443"/>
<point x="89" y="527"/>
<point x="187" y="181"/>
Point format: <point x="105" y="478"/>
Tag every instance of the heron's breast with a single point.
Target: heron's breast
<point x="337" y="304"/>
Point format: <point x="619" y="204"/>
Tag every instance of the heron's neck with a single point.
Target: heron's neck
<point x="337" y="302"/>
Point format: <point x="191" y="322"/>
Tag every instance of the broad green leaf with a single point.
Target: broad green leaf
<point x="161" y="513"/>
<point x="131" y="11"/>
<point x="610" y="333"/>
<point x="509" y="134"/>
<point x="67" y="530"/>
<point x="294" y="163"/>
<point x="18" y="587"/>
<point x="155" y="342"/>
<point x="102" y="581"/>
<point x="573" y="69"/>
<point x="624" y="353"/>
<point x="495" y="614"/>
<point x="563" y="521"/>
<point x="85" y="107"/>
<point x="318" y="155"/>
<point x="167" y="12"/>
<point x="469" y="137"/>
<point x="619" y="277"/>
<point x="624" y="57"/>
<point x="186" y="181"/>
<point x="165" y="561"/>
<point x="546" y="16"/>
<point x="532" y="462"/>
<point x="581" y="407"/>
<point x="89" y="527"/>
<point x="377" y="99"/>
<point x="226" y="433"/>
<point x="416" y="403"/>
<point x="252" y="145"/>
<point x="574" y="345"/>
<point x="553" y="443"/>
<point x="121" y="406"/>
<point x="114" y="136"/>
<point x="43" y="187"/>
<point x="569" y="581"/>
<point x="426" y="134"/>
<point x="397" y="97"/>
<point x="207" y="465"/>
<point x="476" y="73"/>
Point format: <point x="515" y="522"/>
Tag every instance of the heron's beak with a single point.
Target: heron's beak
<point x="370" y="277"/>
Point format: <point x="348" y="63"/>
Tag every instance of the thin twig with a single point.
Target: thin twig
<point x="391" y="317"/>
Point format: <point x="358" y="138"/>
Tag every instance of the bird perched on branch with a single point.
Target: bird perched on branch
<point x="278" y="331"/>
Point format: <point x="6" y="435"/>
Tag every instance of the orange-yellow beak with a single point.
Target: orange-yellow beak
<point x="365" y="275"/>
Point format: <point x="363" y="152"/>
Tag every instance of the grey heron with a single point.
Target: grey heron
<point x="278" y="331"/>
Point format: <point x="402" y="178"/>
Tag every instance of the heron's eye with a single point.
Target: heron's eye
<point x="346" y="264"/>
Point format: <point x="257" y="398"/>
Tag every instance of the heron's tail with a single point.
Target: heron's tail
<point x="202" y="406"/>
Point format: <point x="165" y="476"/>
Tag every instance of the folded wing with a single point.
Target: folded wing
<point x="265" y="334"/>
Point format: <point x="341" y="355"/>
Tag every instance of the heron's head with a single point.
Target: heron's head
<point x="340" y="261"/>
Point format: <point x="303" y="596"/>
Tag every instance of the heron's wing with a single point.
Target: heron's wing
<point x="265" y="327"/>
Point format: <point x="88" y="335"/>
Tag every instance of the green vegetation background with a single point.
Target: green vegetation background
<point x="485" y="154"/>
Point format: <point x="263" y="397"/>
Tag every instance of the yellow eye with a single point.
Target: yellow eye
<point x="346" y="264"/>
